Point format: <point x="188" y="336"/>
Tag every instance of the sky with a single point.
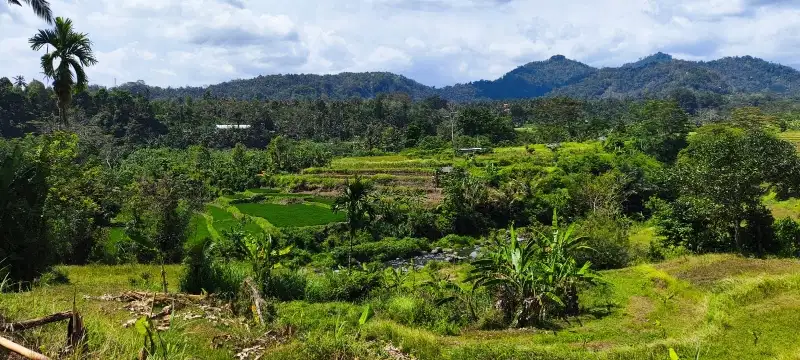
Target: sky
<point x="435" y="42"/>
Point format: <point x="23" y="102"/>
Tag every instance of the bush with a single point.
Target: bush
<point x="405" y="309"/>
<point x="387" y="249"/>
<point x="342" y="285"/>
<point x="204" y="273"/>
<point x="25" y="249"/>
<point x="492" y="320"/>
<point x="787" y="236"/>
<point x="56" y="276"/>
<point x="287" y="285"/>
<point x="456" y="241"/>
<point x="608" y="241"/>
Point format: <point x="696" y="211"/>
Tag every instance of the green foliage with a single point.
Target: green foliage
<point x="720" y="181"/>
<point x="72" y="52"/>
<point x="287" y="284"/>
<point x="383" y="250"/>
<point x="157" y="217"/>
<point x="205" y="273"/>
<point x="535" y="279"/>
<point x="660" y="130"/>
<point x="23" y="192"/>
<point x="607" y="242"/>
<point x="787" y="236"/>
<point x="349" y="285"/>
<point x="286" y="155"/>
<point x="357" y="203"/>
<point x="465" y="202"/>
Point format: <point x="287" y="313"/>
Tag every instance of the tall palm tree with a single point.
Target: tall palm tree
<point x="72" y="51"/>
<point x="356" y="203"/>
<point x="40" y="7"/>
<point x="19" y="81"/>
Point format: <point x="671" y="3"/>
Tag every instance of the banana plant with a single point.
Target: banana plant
<point x="264" y="256"/>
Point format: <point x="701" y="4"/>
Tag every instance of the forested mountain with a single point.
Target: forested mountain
<point x="654" y="76"/>
<point x="304" y="86"/>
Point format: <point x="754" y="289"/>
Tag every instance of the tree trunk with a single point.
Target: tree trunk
<point x="736" y="235"/>
<point x="350" y="250"/>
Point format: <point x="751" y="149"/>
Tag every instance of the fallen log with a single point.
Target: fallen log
<point x="30" y="324"/>
<point x="19" y="349"/>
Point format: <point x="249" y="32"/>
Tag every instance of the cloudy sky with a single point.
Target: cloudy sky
<point x="436" y="42"/>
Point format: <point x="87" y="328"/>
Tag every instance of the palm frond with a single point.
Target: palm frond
<point x="40" y="7"/>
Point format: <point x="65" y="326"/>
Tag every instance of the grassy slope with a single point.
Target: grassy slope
<point x="732" y="307"/>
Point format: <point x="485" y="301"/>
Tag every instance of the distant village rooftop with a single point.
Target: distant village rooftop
<point x="233" y="126"/>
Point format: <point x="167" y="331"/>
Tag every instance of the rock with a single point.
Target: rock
<point x="449" y="259"/>
<point x="448" y="250"/>
<point x="436" y="250"/>
<point x="473" y="255"/>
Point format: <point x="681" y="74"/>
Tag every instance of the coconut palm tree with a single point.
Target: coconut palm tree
<point x="355" y="202"/>
<point x="40" y="7"/>
<point x="72" y="51"/>
<point x="19" y="81"/>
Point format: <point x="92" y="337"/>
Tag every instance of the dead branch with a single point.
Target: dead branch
<point x="32" y="323"/>
<point x="129" y="296"/>
<point x="19" y="349"/>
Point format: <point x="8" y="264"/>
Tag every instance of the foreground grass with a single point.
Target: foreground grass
<point x="726" y="306"/>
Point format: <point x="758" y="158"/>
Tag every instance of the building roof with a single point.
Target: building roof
<point x="234" y="126"/>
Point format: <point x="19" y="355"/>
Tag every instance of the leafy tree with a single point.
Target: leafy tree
<point x="25" y="251"/>
<point x="751" y="117"/>
<point x="720" y="179"/>
<point x="465" y="201"/>
<point x="356" y="202"/>
<point x="686" y="99"/>
<point x="660" y="129"/>
<point x="40" y="7"/>
<point x="72" y="51"/>
<point x="158" y="215"/>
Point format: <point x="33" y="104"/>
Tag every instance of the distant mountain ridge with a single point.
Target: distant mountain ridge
<point x="655" y="75"/>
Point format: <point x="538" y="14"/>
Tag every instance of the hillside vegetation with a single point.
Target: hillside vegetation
<point x="657" y="75"/>
<point x="720" y="306"/>
<point x="402" y="226"/>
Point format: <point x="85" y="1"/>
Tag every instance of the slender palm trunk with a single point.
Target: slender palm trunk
<point x="350" y="250"/>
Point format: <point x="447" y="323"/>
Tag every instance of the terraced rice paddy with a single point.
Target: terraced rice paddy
<point x="291" y="215"/>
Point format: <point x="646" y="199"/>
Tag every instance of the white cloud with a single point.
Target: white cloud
<point x="436" y="42"/>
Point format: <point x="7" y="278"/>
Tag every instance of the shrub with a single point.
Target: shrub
<point x="25" y="250"/>
<point x="342" y="285"/>
<point x="608" y="242"/>
<point x="787" y="236"/>
<point x="455" y="241"/>
<point x="287" y="285"/>
<point x="405" y="309"/>
<point x="56" y="276"/>
<point x="204" y="273"/>
<point x="492" y="320"/>
<point x="387" y="249"/>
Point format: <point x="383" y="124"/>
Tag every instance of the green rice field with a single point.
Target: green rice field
<point x="291" y="215"/>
